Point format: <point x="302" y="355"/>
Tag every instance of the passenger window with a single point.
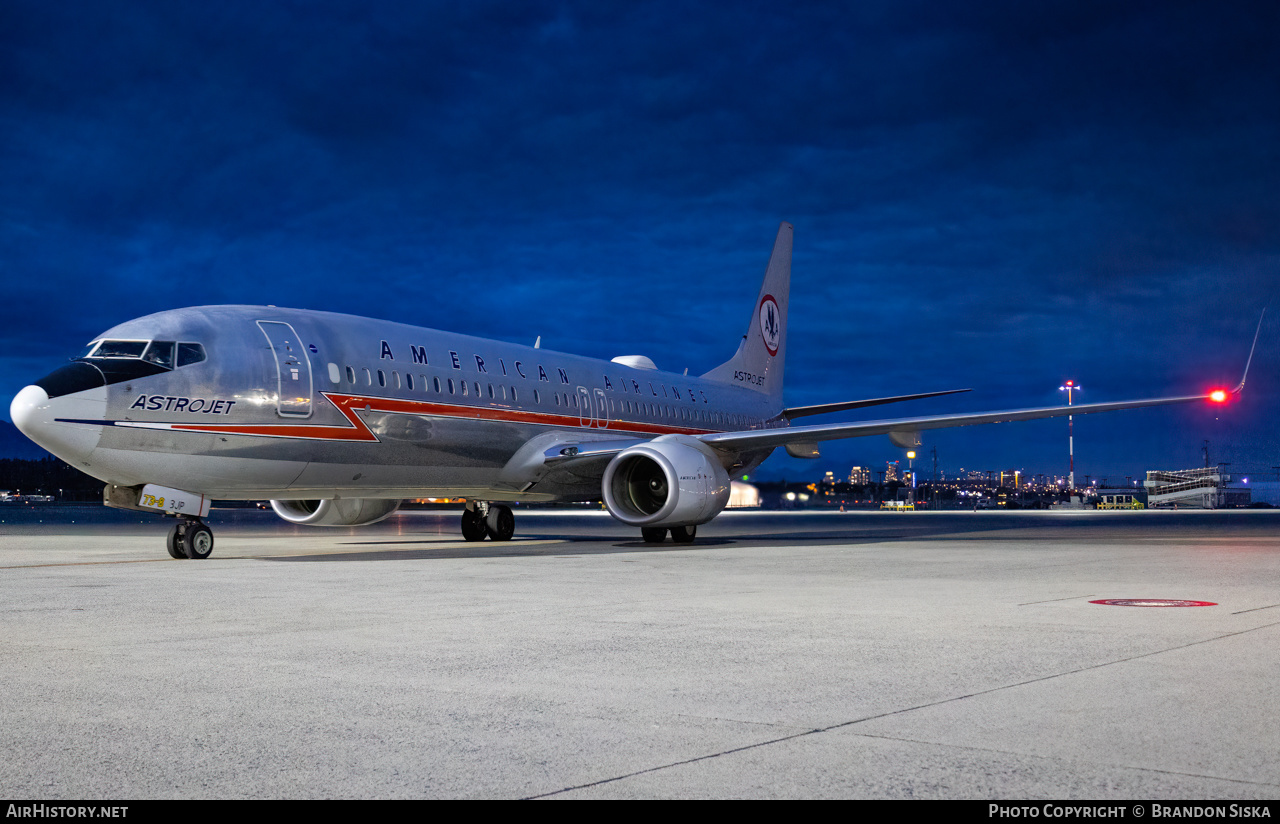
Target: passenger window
<point x="408" y="379"/>
<point x="537" y="396"/>
<point x="368" y="377"/>
<point x="160" y="353"/>
<point x="189" y="353"/>
<point x="436" y="381"/>
<point x="464" y="388"/>
<point x="395" y="378"/>
<point x="382" y="378"/>
<point x="335" y="374"/>
<point x="351" y="376"/>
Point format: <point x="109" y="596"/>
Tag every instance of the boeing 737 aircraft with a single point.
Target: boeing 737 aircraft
<point x="337" y="419"/>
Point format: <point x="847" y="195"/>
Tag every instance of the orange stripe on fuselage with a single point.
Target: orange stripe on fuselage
<point x="359" y="432"/>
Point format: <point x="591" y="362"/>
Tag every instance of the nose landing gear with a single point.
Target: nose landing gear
<point x="190" y="538"/>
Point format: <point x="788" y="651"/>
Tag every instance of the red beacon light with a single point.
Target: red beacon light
<point x="1219" y="396"/>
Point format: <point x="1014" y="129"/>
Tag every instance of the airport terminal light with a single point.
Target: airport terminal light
<point x="1069" y="387"/>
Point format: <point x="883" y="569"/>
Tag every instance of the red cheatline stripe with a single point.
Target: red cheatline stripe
<point x="348" y="405"/>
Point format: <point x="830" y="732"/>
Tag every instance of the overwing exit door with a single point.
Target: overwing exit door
<point x="293" y="369"/>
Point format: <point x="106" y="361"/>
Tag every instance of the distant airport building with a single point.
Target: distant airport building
<point x="1197" y="488"/>
<point x="860" y="475"/>
<point x="890" y="471"/>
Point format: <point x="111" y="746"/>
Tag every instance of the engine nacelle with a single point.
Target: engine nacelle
<point x="339" y="512"/>
<point x="674" y="480"/>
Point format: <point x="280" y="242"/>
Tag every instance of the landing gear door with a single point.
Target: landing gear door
<point x="293" y="369"/>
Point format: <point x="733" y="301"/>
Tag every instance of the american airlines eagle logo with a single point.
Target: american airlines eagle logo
<point x="770" y="323"/>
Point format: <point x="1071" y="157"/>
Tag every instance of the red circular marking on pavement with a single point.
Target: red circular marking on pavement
<point x="1151" y="602"/>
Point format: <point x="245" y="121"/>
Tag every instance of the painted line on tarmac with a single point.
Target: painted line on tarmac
<point x="1054" y="600"/>
<point x="89" y="563"/>
<point x="846" y="724"/>
<point x="1255" y="609"/>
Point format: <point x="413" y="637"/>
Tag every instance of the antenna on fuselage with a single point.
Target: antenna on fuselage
<point x="537" y="344"/>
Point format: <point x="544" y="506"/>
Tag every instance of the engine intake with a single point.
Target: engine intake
<point x="337" y="512"/>
<point x="670" y="481"/>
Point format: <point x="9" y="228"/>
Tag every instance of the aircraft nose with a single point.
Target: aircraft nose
<point x="64" y="426"/>
<point x="29" y="410"/>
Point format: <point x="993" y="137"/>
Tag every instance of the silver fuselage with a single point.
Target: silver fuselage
<point x="297" y="404"/>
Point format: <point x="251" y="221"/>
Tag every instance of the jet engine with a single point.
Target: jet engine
<point x="336" y="512"/>
<point x="674" y="480"/>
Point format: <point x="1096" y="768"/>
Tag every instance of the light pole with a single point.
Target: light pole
<point x="1069" y="387"/>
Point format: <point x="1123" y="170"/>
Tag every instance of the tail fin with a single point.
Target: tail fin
<point x="762" y="354"/>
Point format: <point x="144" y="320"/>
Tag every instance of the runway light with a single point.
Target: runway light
<point x="1218" y="396"/>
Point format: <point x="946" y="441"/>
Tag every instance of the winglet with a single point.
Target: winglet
<point x="1240" y="386"/>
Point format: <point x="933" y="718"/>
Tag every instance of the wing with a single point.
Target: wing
<point x="590" y="457"/>
<point x="768" y="438"/>
<point x="807" y="435"/>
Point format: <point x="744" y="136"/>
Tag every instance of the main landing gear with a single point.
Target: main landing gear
<point x="658" y="534"/>
<point x="190" y="538"/>
<point x="482" y="519"/>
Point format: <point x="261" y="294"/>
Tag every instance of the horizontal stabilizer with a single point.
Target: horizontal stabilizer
<point x="824" y="408"/>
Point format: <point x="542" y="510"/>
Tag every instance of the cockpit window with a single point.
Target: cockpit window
<point x="189" y="353"/>
<point x="121" y="349"/>
<point x="160" y="353"/>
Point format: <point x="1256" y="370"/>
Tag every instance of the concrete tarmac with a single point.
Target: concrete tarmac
<point x="784" y="655"/>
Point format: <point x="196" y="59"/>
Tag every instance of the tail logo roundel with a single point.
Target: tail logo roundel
<point x="770" y="324"/>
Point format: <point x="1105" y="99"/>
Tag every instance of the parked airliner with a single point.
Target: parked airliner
<point x="337" y="419"/>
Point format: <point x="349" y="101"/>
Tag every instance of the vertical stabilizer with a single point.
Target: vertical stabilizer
<point x="758" y="364"/>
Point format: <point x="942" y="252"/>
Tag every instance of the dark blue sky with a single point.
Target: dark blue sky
<point x="997" y="196"/>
